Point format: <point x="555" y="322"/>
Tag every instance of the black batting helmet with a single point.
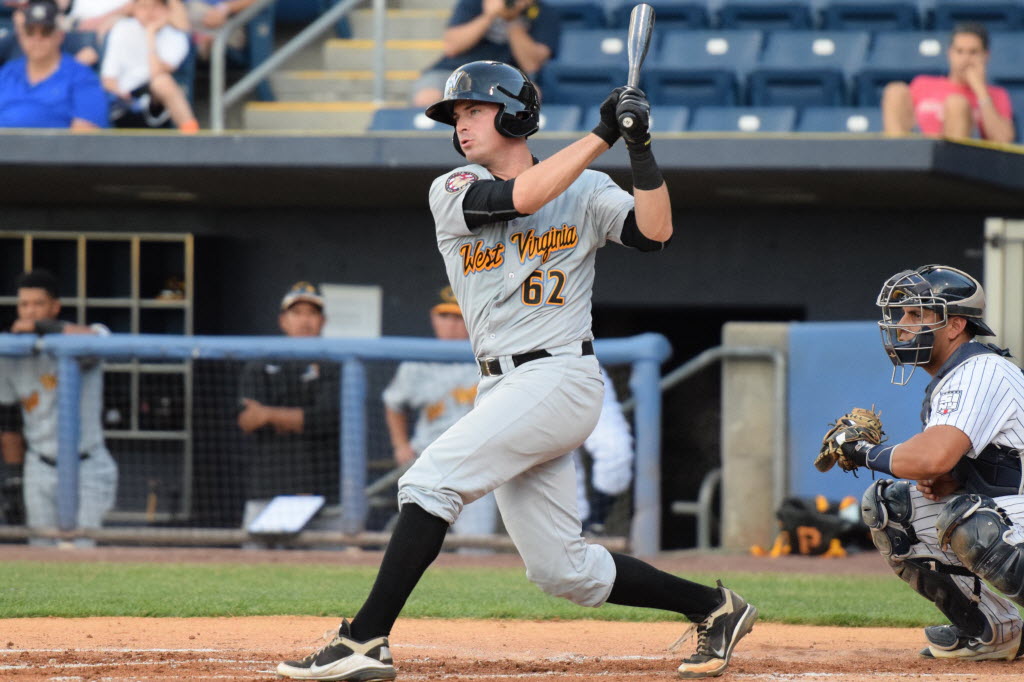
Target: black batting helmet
<point x="940" y="288"/>
<point x="486" y="81"/>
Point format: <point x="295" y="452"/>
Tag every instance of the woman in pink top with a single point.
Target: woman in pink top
<point x="956" y="105"/>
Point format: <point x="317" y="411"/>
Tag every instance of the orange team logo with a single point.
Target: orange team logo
<point x="31" y="402"/>
<point x="48" y="381"/>
<point x="464" y="396"/>
<point x="459" y="180"/>
<point x="476" y="257"/>
<point x="555" y="239"/>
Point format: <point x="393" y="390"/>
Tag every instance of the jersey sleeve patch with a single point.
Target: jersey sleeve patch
<point x="459" y="180"/>
<point x="949" y="401"/>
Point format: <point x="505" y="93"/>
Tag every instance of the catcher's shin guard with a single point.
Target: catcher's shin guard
<point x="887" y="510"/>
<point x="976" y="528"/>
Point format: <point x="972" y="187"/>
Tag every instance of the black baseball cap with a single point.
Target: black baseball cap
<point x="41" y="13"/>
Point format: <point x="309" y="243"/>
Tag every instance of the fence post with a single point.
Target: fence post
<point x="645" y="531"/>
<point x="353" y="446"/>
<point x="69" y="385"/>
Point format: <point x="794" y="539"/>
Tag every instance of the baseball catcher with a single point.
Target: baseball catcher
<point x="953" y="527"/>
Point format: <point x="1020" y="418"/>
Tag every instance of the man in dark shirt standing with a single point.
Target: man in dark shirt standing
<point x="290" y="412"/>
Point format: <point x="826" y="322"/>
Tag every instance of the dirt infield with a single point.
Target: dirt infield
<point x="120" y="649"/>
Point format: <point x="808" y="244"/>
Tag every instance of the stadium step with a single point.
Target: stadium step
<point x="323" y="117"/>
<point x="332" y="86"/>
<point x="402" y="24"/>
<point x="399" y="55"/>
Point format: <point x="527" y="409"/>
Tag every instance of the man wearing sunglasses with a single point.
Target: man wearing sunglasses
<point x="47" y="88"/>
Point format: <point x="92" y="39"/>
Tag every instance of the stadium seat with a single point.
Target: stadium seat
<point x="899" y="56"/>
<point x="559" y="118"/>
<point x="804" y="68"/>
<point x="8" y="41"/>
<point x="77" y="40"/>
<point x="840" y="120"/>
<point x="402" y="119"/>
<point x="1006" y="60"/>
<point x="259" y="45"/>
<point x="669" y="14"/>
<point x="664" y="118"/>
<point x="590" y="64"/>
<point x="870" y="15"/>
<point x="765" y="15"/>
<point x="574" y="14"/>
<point x="698" y="68"/>
<point x="996" y="15"/>
<point x="744" y="119"/>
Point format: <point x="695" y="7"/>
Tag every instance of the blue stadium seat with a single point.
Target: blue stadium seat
<point x="840" y="120"/>
<point x="765" y="15"/>
<point x="259" y="45"/>
<point x="401" y="119"/>
<point x="804" y="68"/>
<point x="996" y="15"/>
<point x="78" y="40"/>
<point x="590" y="63"/>
<point x="1006" y="59"/>
<point x="579" y="13"/>
<point x="698" y="68"/>
<point x="669" y="14"/>
<point x="664" y="118"/>
<point x="744" y="119"/>
<point x="899" y="56"/>
<point x="870" y="15"/>
<point x="559" y="118"/>
<point x="8" y="41"/>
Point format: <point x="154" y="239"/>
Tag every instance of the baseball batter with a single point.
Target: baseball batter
<point x="518" y="238"/>
<point x="960" y="525"/>
<point x="33" y="382"/>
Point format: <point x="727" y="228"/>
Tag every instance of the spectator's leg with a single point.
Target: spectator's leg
<point x="165" y="89"/>
<point x="956" y="117"/>
<point x="897" y="109"/>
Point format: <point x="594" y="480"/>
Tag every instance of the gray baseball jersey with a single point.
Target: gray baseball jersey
<point x="984" y="398"/>
<point x="32" y="381"/>
<point x="526" y="284"/>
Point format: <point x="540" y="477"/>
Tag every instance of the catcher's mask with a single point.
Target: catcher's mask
<point x="486" y="81"/>
<point x="947" y="292"/>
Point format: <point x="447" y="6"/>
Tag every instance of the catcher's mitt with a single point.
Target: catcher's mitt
<point x="856" y="425"/>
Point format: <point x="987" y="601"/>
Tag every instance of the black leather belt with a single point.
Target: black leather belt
<point x="491" y="367"/>
<point x="53" y="462"/>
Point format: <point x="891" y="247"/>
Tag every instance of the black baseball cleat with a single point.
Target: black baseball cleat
<point x="717" y="635"/>
<point x="343" y="658"/>
<point x="948" y="641"/>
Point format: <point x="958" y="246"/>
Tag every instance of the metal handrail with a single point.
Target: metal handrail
<point x="220" y="99"/>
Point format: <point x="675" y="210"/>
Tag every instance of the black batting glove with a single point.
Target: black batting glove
<point x="634" y="105"/>
<point x="608" y="127"/>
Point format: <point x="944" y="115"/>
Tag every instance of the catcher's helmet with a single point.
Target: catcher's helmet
<point x="504" y="85"/>
<point x="947" y="291"/>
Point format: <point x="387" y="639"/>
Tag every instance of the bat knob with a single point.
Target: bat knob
<point x="627" y="121"/>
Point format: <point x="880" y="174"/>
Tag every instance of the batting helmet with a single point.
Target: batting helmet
<point x="486" y="81"/>
<point x="946" y="291"/>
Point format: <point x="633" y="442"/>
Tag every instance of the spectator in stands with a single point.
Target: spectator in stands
<point x="523" y="33"/>
<point x="142" y="53"/>
<point x="47" y="88"/>
<point x="99" y="16"/>
<point x="32" y="382"/>
<point x="958" y="105"/>
<point x="206" y="16"/>
<point x="291" y="412"/>
<point x="440" y="394"/>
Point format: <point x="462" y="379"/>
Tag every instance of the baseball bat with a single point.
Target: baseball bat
<point x="638" y="40"/>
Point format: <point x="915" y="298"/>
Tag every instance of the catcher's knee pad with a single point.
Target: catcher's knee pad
<point x="887" y="509"/>
<point x="976" y="528"/>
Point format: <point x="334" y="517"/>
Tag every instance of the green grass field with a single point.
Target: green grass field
<point x="32" y="589"/>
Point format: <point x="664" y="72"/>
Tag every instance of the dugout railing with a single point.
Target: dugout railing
<point x="643" y="354"/>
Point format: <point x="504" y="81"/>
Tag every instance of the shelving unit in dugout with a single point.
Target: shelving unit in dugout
<point x="136" y="283"/>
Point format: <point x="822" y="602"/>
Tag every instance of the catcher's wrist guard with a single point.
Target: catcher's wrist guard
<point x="851" y="441"/>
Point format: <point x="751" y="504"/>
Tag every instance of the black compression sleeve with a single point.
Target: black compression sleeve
<point x="634" y="238"/>
<point x="489" y="201"/>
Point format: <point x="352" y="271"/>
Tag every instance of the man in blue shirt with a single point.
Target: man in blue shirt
<point x="523" y="33"/>
<point x="47" y="88"/>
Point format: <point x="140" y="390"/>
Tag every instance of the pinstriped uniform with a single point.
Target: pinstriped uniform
<point x="984" y="398"/>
